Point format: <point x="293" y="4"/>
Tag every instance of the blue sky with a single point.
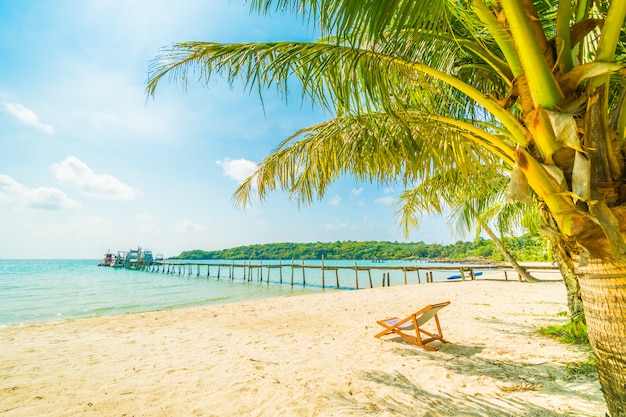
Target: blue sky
<point x="88" y="164"/>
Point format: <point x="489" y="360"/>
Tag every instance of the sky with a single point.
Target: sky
<point x="89" y="163"/>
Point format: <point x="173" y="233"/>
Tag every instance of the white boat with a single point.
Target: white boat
<point x="107" y="260"/>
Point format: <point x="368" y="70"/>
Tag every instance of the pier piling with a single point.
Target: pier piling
<point x="466" y="273"/>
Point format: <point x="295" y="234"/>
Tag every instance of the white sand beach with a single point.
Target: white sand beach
<point x="312" y="355"/>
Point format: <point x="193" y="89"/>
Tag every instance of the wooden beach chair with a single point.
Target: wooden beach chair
<point x="415" y="322"/>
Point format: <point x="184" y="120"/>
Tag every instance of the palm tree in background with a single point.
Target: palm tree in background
<point x="474" y="203"/>
<point x="533" y="89"/>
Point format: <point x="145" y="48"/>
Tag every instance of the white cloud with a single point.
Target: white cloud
<point x="335" y="201"/>
<point x="355" y="196"/>
<point x="27" y="116"/>
<point x="51" y="199"/>
<point x="356" y="192"/>
<point x="188" y="226"/>
<point x="13" y="193"/>
<point x="387" y="200"/>
<point x="337" y="225"/>
<point x="147" y="223"/>
<point x="104" y="186"/>
<point x="237" y="169"/>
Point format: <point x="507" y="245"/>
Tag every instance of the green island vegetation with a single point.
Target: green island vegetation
<point x="524" y="248"/>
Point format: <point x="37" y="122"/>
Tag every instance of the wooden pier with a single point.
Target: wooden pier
<point x="296" y="272"/>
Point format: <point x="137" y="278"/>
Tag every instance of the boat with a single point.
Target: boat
<point x="459" y="276"/>
<point x="107" y="260"/>
<point x="133" y="255"/>
<point x="133" y="259"/>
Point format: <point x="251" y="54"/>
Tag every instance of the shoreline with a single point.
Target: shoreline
<point x="306" y="355"/>
<point x="89" y="291"/>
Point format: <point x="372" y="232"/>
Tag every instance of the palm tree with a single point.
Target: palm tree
<point x="477" y="200"/>
<point x="473" y="203"/>
<point x="534" y="87"/>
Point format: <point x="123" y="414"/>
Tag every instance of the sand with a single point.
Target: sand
<point x="311" y="355"/>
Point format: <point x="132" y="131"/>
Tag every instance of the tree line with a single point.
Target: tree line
<point x="524" y="248"/>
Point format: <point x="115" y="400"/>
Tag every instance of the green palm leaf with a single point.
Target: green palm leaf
<point x="384" y="148"/>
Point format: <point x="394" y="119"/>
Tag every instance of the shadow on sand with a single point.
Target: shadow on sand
<point x="394" y="394"/>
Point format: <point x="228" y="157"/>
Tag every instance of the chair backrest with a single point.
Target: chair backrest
<point x="430" y="312"/>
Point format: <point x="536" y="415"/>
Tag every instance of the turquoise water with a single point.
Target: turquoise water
<point x="48" y="290"/>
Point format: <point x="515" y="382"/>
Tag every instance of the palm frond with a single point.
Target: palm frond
<point x="373" y="20"/>
<point x="334" y="76"/>
<point x="472" y="201"/>
<point x="383" y="148"/>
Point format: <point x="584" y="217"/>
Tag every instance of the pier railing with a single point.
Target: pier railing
<point x="296" y="272"/>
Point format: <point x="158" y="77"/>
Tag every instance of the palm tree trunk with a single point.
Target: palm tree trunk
<point x="574" y="298"/>
<point x="602" y="286"/>
<point x="517" y="267"/>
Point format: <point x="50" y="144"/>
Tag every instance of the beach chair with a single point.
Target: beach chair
<point x="415" y="322"/>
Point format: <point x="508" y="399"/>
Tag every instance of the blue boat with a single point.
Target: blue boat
<point x="459" y="276"/>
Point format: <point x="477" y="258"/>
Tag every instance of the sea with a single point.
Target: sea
<point x="34" y="291"/>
